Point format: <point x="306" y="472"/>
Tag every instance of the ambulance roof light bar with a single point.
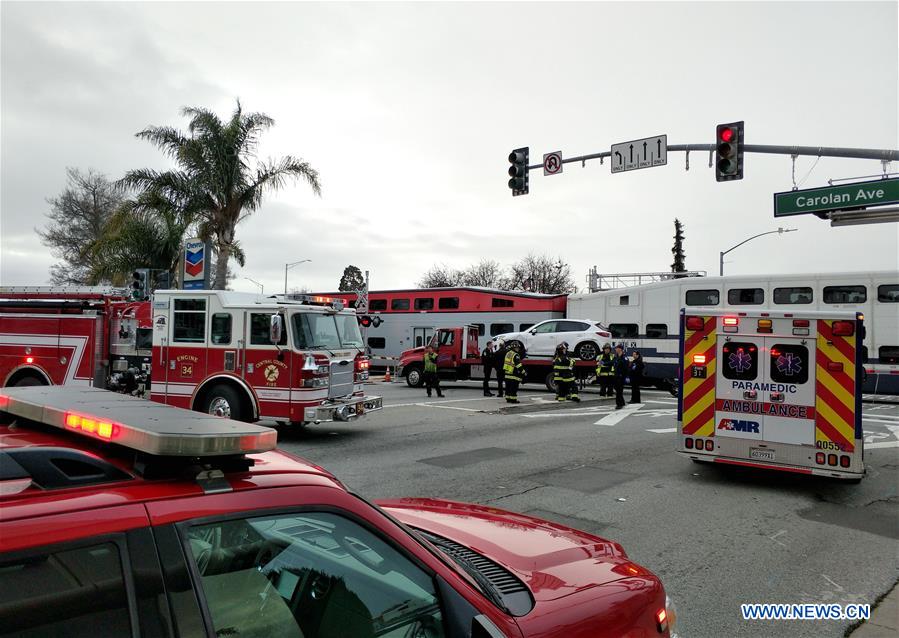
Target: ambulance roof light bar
<point x="137" y="424"/>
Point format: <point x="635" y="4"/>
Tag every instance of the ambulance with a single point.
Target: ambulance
<point x="774" y="390"/>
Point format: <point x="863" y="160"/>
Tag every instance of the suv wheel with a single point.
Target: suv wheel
<point x="587" y="351"/>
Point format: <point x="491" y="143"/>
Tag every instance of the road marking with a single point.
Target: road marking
<point x="406" y="405"/>
<point x="574" y="412"/>
<point x="664" y="431"/>
<point x="616" y="417"/>
<point x="671" y="402"/>
<point x="885" y="444"/>
<point x="774" y="536"/>
<point x="447" y="407"/>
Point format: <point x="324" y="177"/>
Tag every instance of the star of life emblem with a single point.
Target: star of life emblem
<point x="739" y="361"/>
<point x="789" y="364"/>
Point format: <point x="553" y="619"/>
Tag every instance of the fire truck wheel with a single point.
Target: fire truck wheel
<point x="414" y="377"/>
<point x="27" y="380"/>
<point x="223" y="401"/>
<point x="587" y="351"/>
<point x="550" y="382"/>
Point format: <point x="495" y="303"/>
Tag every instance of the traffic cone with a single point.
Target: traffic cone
<point x="387" y="376"/>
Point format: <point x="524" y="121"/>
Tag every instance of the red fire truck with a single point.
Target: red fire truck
<point x="293" y="360"/>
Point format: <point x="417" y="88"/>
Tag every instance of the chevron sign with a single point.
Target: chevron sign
<point x="195" y="263"/>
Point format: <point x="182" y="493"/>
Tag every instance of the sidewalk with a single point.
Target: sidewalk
<point x="884" y="622"/>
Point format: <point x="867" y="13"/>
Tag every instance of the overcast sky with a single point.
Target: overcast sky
<point x="410" y="110"/>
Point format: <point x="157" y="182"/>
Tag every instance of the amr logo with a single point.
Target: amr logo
<point x="739" y="425"/>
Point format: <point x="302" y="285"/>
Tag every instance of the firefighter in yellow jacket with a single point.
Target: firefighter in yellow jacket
<point x="563" y="375"/>
<point x="513" y="370"/>
<point x="605" y="371"/>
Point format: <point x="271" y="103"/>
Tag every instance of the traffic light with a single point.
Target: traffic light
<point x="365" y="321"/>
<point x="518" y="171"/>
<point x="140" y="280"/>
<point x="729" y="152"/>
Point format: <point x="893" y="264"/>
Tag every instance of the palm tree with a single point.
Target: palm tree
<point x="219" y="177"/>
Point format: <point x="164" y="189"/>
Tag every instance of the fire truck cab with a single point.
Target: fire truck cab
<point x="293" y="358"/>
<point x="773" y="390"/>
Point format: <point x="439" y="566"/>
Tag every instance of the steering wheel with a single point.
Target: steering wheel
<point x="265" y="555"/>
<point x="379" y="566"/>
<point x="422" y="628"/>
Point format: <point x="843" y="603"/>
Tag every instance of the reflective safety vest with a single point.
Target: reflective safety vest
<point x="512" y="367"/>
<point x="431" y="362"/>
<point x="563" y="368"/>
<point x="605" y="365"/>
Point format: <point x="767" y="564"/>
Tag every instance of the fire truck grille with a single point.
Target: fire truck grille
<point x="342" y="374"/>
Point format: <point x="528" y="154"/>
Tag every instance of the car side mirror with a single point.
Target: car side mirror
<point x="275" y="327"/>
<point x="483" y="627"/>
<point x="532" y="332"/>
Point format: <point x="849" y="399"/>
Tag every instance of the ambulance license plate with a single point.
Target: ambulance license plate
<point x="758" y="453"/>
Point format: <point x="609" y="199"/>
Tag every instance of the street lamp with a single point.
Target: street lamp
<point x="288" y="267"/>
<point x="779" y="231"/>
<point x="261" y="287"/>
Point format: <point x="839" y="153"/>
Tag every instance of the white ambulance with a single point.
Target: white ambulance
<point x="776" y="390"/>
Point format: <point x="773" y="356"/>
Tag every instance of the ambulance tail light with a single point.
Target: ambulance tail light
<point x="688" y="443"/>
<point x="695" y="323"/>
<point x="819" y="458"/>
<point x="844" y="460"/>
<point x="843" y="328"/>
<point x="709" y="445"/>
<point x="731" y="321"/>
<point x="800" y="323"/>
<point x="831" y="459"/>
<point x="765" y="325"/>
<point x="834" y="366"/>
<point x="699" y="359"/>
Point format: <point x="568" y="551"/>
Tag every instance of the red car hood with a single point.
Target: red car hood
<point x="551" y="559"/>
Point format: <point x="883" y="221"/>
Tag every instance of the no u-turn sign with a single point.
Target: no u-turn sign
<point x="552" y="163"/>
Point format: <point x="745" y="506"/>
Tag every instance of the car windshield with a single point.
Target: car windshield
<point x="319" y="331"/>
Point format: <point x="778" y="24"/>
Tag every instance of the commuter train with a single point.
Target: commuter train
<point x="645" y="317"/>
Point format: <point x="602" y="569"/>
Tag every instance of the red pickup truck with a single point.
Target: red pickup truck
<point x="459" y="359"/>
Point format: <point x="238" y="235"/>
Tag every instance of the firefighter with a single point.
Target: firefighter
<point x="620" y="368"/>
<point x="431" y="379"/>
<point x="488" y="363"/>
<point x="499" y="359"/>
<point x="513" y="371"/>
<point x="605" y="371"/>
<point x="563" y="374"/>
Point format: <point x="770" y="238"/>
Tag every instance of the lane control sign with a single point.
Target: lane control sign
<point x="643" y="153"/>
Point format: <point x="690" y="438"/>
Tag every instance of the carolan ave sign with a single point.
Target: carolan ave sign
<point x="831" y="198"/>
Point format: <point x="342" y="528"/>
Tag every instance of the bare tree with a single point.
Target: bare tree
<point x="441" y="276"/>
<point x="486" y="273"/>
<point x="77" y="219"/>
<point x="541" y="273"/>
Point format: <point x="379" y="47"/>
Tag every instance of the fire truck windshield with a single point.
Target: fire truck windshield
<point x="318" y="331"/>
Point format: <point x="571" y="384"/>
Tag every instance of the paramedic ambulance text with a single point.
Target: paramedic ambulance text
<point x="769" y="409"/>
<point x="763" y="387"/>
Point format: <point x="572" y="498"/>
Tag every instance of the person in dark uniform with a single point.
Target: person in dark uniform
<point x="499" y="359"/>
<point x="563" y="375"/>
<point x="513" y="370"/>
<point x="431" y="378"/>
<point x="605" y="371"/>
<point x="488" y="363"/>
<point x="620" y="375"/>
<point x="635" y="372"/>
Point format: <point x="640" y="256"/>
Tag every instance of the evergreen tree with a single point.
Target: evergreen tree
<point x="677" y="250"/>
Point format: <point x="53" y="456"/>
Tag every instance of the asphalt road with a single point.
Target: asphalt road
<point x="717" y="537"/>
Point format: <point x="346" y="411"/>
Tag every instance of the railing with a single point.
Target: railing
<point x="597" y="282"/>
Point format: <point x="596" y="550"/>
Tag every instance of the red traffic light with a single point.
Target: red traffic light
<point x="727" y="134"/>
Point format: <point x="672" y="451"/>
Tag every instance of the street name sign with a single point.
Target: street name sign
<point x="643" y="153"/>
<point x="552" y="163"/>
<point x="833" y="198"/>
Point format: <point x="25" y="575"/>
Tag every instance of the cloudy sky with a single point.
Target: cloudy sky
<point x="409" y="111"/>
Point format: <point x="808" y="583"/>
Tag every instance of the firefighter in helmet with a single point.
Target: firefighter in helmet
<point x="513" y="370"/>
<point x="605" y="370"/>
<point x="563" y="374"/>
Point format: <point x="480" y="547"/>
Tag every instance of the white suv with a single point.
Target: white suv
<point x="585" y="338"/>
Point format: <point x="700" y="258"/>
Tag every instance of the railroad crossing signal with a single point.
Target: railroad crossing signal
<point x="518" y="171"/>
<point x="729" y="152"/>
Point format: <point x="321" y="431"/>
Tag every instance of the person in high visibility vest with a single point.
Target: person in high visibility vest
<point x="563" y="375"/>
<point x="431" y="379"/>
<point x="513" y="370"/>
<point x="605" y="371"/>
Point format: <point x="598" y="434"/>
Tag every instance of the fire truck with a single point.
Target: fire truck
<point x="292" y="359"/>
<point x="774" y="390"/>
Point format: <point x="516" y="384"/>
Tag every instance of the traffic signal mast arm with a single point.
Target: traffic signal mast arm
<point x="886" y="155"/>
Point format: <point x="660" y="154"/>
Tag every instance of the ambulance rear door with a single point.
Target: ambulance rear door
<point x="789" y="368"/>
<point x="739" y="401"/>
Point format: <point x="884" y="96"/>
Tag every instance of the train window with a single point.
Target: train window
<point x="888" y="293"/>
<point x="799" y="295"/>
<point x="745" y="296"/>
<point x="845" y="294"/>
<point x="377" y="343"/>
<point x="740" y="361"/>
<point x="524" y="326"/>
<point x="448" y="303"/>
<point x="888" y="354"/>
<point x="789" y="363"/>
<point x="399" y="304"/>
<point x="624" y="300"/>
<point x="702" y="297"/>
<point x="624" y="330"/>
<point x="189" y="321"/>
<point x="377" y="304"/>
<point x="424" y="303"/>
<point x="502" y="303"/>
<point x="656" y="331"/>
<point x="501" y="328"/>
<point x="482" y="329"/>
<point x="221" y="328"/>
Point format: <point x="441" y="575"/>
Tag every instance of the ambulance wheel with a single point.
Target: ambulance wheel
<point x="414" y="377"/>
<point x="223" y="401"/>
<point x="587" y="351"/>
<point x="550" y="382"/>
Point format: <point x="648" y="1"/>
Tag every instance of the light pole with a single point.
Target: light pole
<point x="288" y="267"/>
<point x="779" y="231"/>
<point x="261" y="287"/>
